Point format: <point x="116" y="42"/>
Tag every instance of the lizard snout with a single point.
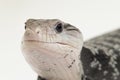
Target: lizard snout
<point x="30" y="35"/>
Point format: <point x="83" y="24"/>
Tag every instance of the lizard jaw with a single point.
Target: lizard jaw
<point x="37" y="41"/>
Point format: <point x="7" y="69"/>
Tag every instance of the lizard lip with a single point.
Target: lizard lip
<point x="37" y="41"/>
<point x="44" y="42"/>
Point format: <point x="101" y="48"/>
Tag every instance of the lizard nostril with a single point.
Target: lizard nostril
<point x="27" y="33"/>
<point x="38" y="32"/>
<point x="25" y="27"/>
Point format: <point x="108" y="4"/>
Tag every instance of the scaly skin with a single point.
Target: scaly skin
<point x="100" y="57"/>
<point x="52" y="49"/>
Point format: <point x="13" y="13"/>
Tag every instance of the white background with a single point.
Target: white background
<point x="92" y="17"/>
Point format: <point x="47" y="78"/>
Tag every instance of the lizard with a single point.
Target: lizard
<point x="55" y="50"/>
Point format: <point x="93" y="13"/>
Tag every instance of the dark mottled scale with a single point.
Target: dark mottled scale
<point x="100" y="57"/>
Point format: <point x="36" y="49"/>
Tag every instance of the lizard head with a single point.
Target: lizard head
<point x="49" y="43"/>
<point x="52" y="31"/>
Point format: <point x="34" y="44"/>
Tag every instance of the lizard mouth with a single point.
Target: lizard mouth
<point x="45" y="42"/>
<point x="37" y="41"/>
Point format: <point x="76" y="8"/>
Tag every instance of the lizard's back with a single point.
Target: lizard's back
<point x="100" y="57"/>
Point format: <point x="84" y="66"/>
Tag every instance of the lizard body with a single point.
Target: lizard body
<point x="100" y="57"/>
<point x="55" y="50"/>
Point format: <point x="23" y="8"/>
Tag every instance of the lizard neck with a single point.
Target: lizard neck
<point x="62" y="68"/>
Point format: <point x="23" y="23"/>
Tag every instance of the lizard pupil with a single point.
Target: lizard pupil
<point x="59" y="28"/>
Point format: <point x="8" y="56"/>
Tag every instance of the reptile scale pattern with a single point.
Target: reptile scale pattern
<point x="100" y="57"/>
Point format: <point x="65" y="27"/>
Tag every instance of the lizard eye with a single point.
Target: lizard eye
<point x="59" y="28"/>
